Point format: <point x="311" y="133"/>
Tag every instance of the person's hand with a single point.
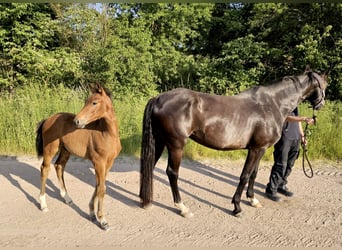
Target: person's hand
<point x="308" y="120"/>
<point x="304" y="141"/>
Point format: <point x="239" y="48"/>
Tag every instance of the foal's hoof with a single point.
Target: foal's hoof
<point x="67" y="198"/>
<point x="45" y="210"/>
<point x="93" y="218"/>
<point x="104" y="226"/>
<point x="187" y="214"/>
<point x="68" y="202"/>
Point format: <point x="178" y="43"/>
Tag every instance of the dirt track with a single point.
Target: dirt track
<point x="313" y="217"/>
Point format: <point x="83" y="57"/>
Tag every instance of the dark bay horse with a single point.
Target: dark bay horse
<point x="92" y="134"/>
<point x="251" y="120"/>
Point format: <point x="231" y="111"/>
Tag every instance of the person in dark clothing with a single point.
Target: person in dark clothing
<point x="285" y="153"/>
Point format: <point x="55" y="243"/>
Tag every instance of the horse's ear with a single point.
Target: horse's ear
<point x="96" y="88"/>
<point x="99" y="88"/>
<point x="308" y="69"/>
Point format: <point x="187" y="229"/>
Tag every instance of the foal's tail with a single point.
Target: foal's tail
<point x="39" y="138"/>
<point x="147" y="156"/>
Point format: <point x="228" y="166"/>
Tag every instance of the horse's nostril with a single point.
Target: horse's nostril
<point x="76" y="122"/>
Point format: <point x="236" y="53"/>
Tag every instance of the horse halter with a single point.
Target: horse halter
<point x="318" y="102"/>
<point x="318" y="78"/>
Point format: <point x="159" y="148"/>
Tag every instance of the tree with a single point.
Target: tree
<point x="176" y="37"/>
<point x="30" y="47"/>
<point x="300" y="34"/>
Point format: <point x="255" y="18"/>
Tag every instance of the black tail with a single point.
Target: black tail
<point x="147" y="156"/>
<point x="39" y="139"/>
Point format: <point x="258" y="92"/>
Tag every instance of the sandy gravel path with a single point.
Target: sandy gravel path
<point x="313" y="217"/>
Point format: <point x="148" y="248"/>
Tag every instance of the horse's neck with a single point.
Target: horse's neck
<point x="111" y="124"/>
<point x="289" y="94"/>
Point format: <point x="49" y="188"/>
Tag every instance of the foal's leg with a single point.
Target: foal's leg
<point x="174" y="160"/>
<point x="44" y="172"/>
<point x="252" y="160"/>
<point x="101" y="171"/>
<point x="49" y="151"/>
<point x="92" y="202"/>
<point x="60" y="166"/>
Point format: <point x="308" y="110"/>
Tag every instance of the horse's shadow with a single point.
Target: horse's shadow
<point x="85" y="173"/>
<point x="210" y="172"/>
<point x="11" y="168"/>
<point x="220" y="175"/>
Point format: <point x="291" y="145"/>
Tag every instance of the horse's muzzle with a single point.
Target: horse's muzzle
<point x="319" y="105"/>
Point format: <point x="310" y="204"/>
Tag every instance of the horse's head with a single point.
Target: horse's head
<point x="96" y="107"/>
<point x="316" y="94"/>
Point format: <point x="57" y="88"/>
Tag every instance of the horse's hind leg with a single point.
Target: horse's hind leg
<point x="48" y="152"/>
<point x="174" y="160"/>
<point x="44" y="172"/>
<point x="60" y="163"/>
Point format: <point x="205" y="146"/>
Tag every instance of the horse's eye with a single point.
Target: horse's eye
<point x="94" y="103"/>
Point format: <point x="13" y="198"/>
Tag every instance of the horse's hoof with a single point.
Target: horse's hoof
<point x="238" y="215"/>
<point x="68" y="201"/>
<point x="104" y="226"/>
<point x="45" y="210"/>
<point x="93" y="218"/>
<point x="187" y="214"/>
<point x="147" y="206"/>
<point x="254" y="202"/>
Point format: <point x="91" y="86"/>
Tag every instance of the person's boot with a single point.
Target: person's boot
<point x="285" y="191"/>
<point x="272" y="195"/>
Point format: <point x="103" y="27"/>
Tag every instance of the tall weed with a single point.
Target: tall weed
<point x="20" y="113"/>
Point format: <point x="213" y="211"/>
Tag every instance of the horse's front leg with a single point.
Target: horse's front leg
<point x="101" y="171"/>
<point x="92" y="203"/>
<point x="174" y="160"/>
<point x="252" y="160"/>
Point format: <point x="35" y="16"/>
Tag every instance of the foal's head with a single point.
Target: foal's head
<point x="316" y="94"/>
<point x="97" y="106"/>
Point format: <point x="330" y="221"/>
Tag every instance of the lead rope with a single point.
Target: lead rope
<point x="305" y="155"/>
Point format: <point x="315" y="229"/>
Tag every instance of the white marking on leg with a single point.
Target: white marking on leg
<point x="254" y="202"/>
<point x="104" y="224"/>
<point x="66" y="197"/>
<point x="185" y="212"/>
<point x="43" y="205"/>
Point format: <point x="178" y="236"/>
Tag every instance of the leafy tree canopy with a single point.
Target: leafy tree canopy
<point x="141" y="49"/>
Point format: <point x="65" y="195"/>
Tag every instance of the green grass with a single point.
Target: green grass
<point x="21" y="111"/>
<point x="324" y="138"/>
